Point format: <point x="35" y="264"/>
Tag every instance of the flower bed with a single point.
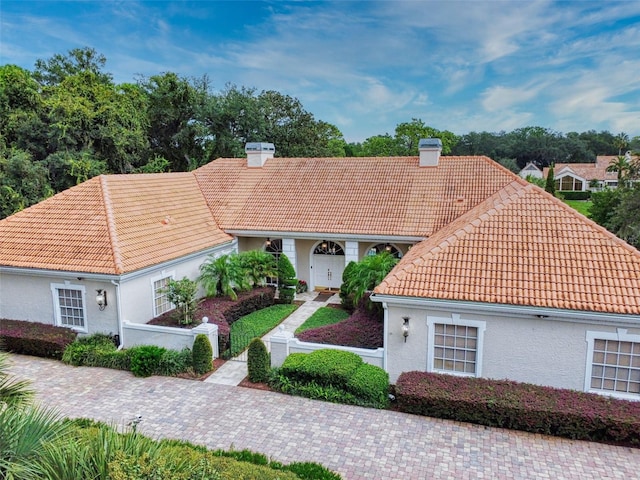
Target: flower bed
<point x="37" y="339"/>
<point x="222" y="311"/>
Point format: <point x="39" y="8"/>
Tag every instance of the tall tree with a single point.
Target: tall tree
<point x="550" y="185"/>
<point x="78" y="60"/>
<point x="621" y="142"/>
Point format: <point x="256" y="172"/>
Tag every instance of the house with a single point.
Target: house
<point x="496" y="278"/>
<point x="584" y="176"/>
<point x="530" y="170"/>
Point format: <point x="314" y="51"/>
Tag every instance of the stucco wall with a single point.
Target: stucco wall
<point x="543" y="351"/>
<point x="30" y="298"/>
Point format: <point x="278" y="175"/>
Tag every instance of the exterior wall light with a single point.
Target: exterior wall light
<point x="101" y="299"/>
<point x="405" y="328"/>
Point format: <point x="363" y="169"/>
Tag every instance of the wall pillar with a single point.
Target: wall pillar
<point x="289" y="249"/>
<point x="210" y="330"/>
<point x="279" y="343"/>
<point x="350" y="252"/>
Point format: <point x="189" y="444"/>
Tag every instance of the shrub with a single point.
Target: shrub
<point x="174" y="362"/>
<point x="37" y="339"/>
<point x="346" y="296"/>
<point x="286" y="272"/>
<point x="183" y="295"/>
<point x="202" y="355"/>
<point x="287" y="295"/>
<point x="520" y="406"/>
<point x="363" y="329"/>
<point x="145" y="359"/>
<point x="586" y="195"/>
<point x="333" y="375"/>
<point x="258" y="361"/>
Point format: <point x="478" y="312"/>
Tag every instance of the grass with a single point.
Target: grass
<point x="581" y="206"/>
<point x="323" y="316"/>
<point x="257" y="324"/>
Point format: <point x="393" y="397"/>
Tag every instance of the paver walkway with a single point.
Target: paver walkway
<point x="356" y="442"/>
<point x="233" y="371"/>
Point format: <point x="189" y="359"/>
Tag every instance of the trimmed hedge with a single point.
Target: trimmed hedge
<point x="202" y="355"/>
<point x="333" y="375"/>
<point x="258" y="361"/>
<point x="99" y="351"/>
<point x="520" y="406"/>
<point x="576" y="195"/>
<point x="37" y="339"/>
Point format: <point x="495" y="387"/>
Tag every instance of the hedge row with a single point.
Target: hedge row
<point x="363" y="329"/>
<point x="333" y="375"/>
<point x="143" y="360"/>
<point x="577" y="195"/>
<point x="520" y="406"/>
<point x="37" y="339"/>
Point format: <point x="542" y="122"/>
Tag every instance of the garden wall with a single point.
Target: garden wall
<point x="168" y="337"/>
<point x="284" y="343"/>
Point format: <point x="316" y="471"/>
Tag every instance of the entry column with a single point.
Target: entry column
<point x="289" y="249"/>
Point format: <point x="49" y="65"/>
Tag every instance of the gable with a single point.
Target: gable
<point x="522" y="247"/>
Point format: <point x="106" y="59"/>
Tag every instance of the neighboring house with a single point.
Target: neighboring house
<point x="530" y="170"/>
<point x="497" y="278"/>
<point x="584" y="176"/>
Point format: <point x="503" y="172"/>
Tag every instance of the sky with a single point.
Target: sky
<point x="366" y="66"/>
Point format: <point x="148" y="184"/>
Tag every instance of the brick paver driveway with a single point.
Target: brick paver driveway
<point x="356" y="442"/>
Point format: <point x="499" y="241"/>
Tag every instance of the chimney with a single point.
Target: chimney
<point x="429" y="149"/>
<point x="258" y="153"/>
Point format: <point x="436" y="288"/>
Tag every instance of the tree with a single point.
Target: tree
<point x="625" y="218"/>
<point x="258" y="265"/>
<point x="621" y="142"/>
<point x="550" y="185"/>
<point x="22" y="182"/>
<point x="622" y="167"/>
<point x="78" y="60"/>
<point x="604" y="204"/>
<point x="182" y="294"/>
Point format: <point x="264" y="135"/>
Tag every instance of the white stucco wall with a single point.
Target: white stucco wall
<point x="29" y="298"/>
<point x="544" y="351"/>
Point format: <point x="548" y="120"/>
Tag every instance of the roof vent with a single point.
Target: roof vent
<point x="430" y="149"/>
<point x="258" y="153"/>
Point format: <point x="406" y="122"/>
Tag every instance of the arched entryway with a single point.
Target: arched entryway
<point x="274" y="247"/>
<point x="327" y="265"/>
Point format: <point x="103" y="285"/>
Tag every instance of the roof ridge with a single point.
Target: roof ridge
<point x="111" y="226"/>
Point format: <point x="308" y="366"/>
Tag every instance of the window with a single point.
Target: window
<point x="455" y="346"/>
<point x="569" y="183"/>
<point x="161" y="302"/>
<point x="274" y="247"/>
<point x="613" y="363"/>
<point x="69" y="306"/>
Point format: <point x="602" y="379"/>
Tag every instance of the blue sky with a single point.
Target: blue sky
<point x="366" y="66"/>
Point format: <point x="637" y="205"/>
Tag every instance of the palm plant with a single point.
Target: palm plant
<point x="13" y="393"/>
<point x="220" y="276"/>
<point x="258" y="265"/>
<point x="621" y="166"/>
<point x="365" y="275"/>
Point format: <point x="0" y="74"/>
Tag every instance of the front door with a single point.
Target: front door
<point x="328" y="265"/>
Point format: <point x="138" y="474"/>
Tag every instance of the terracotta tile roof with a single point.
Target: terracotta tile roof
<point x="522" y="247"/>
<point x="588" y="171"/>
<point x="381" y="196"/>
<point x="112" y="225"/>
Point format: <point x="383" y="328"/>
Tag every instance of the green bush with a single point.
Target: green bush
<point x="37" y="339"/>
<point x="332" y="375"/>
<point x="577" y="195"/>
<point x="145" y="359"/>
<point x="287" y="295"/>
<point x="202" y="355"/>
<point x="258" y="361"/>
<point x="286" y="272"/>
<point x="174" y="362"/>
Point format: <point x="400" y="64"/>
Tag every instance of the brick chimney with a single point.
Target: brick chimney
<point x="430" y="149"/>
<point x="258" y="153"/>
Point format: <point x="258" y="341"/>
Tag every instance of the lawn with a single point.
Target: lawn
<point x="323" y="316"/>
<point x="581" y="206"/>
<point x="257" y="324"/>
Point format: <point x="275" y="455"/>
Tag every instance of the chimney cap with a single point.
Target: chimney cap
<point x="430" y="143"/>
<point x="254" y="147"/>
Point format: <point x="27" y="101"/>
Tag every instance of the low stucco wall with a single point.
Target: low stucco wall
<point x="168" y="337"/>
<point x="283" y="344"/>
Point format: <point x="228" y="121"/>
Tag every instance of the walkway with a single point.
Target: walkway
<point x="233" y="371"/>
<point x="356" y="442"/>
